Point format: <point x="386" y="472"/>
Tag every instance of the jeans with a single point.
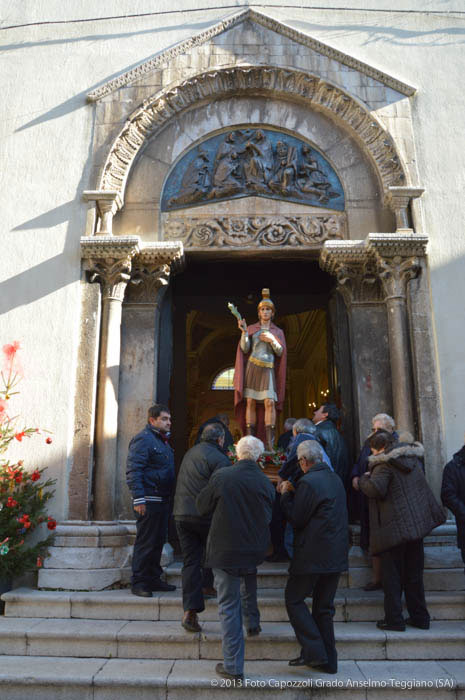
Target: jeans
<point x="151" y="531"/>
<point x="192" y="538"/>
<point x="237" y="603"/>
<point x="402" y="570"/>
<point x="314" y="630"/>
<point x="289" y="539"/>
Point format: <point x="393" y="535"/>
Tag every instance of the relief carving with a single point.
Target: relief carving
<point x="259" y="231"/>
<point x="156" y="111"/>
<point x="251" y="162"/>
<point x="146" y="281"/>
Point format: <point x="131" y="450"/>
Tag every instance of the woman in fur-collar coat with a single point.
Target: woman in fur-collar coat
<point x="403" y="511"/>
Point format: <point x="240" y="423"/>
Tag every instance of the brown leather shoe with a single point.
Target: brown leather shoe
<point x="190" y="621"/>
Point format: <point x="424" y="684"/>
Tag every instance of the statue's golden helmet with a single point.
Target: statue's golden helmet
<point x="266" y="301"/>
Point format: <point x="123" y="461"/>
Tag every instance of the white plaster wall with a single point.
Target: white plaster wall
<point x="46" y="130"/>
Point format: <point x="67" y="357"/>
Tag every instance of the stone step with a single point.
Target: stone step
<point x="352" y="605"/>
<point x="275" y="576"/>
<point x="168" y="640"/>
<point x="51" y="678"/>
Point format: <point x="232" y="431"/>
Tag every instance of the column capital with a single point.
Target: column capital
<point x="108" y="260"/>
<point x="354" y="266"/>
<point x="398" y="200"/>
<point x="115" y="260"/>
<point x="398" y="260"/>
<point x="146" y="281"/>
<point x="108" y="203"/>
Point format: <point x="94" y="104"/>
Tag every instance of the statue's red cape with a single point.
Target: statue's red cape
<point x="239" y="373"/>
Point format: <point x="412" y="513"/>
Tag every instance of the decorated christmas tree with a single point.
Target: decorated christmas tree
<point x="23" y="492"/>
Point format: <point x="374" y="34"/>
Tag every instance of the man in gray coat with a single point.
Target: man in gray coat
<point x="318" y="513"/>
<point x="240" y="500"/>
<point x="197" y="466"/>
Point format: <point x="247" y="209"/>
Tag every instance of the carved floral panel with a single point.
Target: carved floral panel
<point x="254" y="231"/>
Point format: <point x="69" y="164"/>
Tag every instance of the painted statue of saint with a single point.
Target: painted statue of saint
<point x="260" y="373"/>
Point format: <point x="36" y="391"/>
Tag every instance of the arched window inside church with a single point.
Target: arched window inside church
<point x="224" y="381"/>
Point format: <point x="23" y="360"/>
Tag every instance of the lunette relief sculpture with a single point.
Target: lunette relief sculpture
<point x="253" y="162"/>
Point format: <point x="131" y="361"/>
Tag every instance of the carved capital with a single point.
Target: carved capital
<point x="395" y="273"/>
<point x="398" y="260"/>
<point x="146" y="281"/>
<point x="354" y="266"/>
<point x="399" y="200"/>
<point x="108" y="260"/>
<point x="113" y="275"/>
<point x="115" y="260"/>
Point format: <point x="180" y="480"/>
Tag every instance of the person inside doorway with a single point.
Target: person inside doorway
<point x="221" y="419"/>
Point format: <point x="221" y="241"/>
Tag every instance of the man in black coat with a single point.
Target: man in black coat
<point x="223" y="420"/>
<point x="453" y="494"/>
<point x="317" y="510"/>
<point x="197" y="466"/>
<point x="325" y="419"/>
<point x="150" y="478"/>
<point x="241" y="501"/>
<point x="285" y="438"/>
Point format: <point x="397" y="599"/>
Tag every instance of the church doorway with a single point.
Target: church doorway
<point x="205" y="335"/>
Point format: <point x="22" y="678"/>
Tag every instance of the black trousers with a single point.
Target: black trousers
<point x="151" y="530"/>
<point x="314" y="630"/>
<point x="192" y="536"/>
<point x="402" y="570"/>
<point x="277" y="526"/>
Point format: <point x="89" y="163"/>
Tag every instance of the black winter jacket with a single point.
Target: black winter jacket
<point x="240" y="498"/>
<point x="335" y="447"/>
<point x="150" y="467"/>
<point x="197" y="466"/>
<point x="453" y="492"/>
<point x="318" y="513"/>
<point x="402" y="505"/>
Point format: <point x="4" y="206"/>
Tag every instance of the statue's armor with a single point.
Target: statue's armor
<point x="259" y="375"/>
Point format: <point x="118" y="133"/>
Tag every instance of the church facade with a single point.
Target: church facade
<point x="182" y="163"/>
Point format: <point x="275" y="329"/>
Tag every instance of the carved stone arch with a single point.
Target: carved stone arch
<point x="320" y="94"/>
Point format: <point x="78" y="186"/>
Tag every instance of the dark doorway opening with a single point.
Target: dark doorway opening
<point x="205" y="337"/>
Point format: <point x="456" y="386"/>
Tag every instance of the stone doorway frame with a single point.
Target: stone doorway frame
<point x="384" y="274"/>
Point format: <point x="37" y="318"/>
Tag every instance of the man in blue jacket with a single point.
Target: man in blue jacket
<point x="150" y="477"/>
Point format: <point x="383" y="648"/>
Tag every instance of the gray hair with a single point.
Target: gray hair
<point x="387" y="423"/>
<point x="288" y="423"/>
<point x="212" y="431"/>
<point x="311" y="450"/>
<point x="249" y="447"/>
<point x="304" y="425"/>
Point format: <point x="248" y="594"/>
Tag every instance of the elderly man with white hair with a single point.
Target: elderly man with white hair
<point x="316" y="508"/>
<point x="240" y="501"/>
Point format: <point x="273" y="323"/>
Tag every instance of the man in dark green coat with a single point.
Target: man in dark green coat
<point x="318" y="513"/>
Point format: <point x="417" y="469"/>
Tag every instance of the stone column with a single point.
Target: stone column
<point x="354" y="267"/>
<point x="108" y="203"/>
<point x="399" y="199"/>
<point x="108" y="262"/>
<point x="139" y="349"/>
<point x="397" y="263"/>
